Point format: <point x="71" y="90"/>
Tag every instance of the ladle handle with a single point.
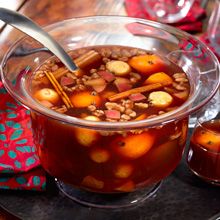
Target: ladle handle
<point x="28" y="27"/>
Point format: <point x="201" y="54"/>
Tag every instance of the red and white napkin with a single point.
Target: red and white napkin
<point x="19" y="164"/>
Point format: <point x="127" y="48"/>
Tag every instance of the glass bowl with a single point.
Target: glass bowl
<point x="66" y="159"/>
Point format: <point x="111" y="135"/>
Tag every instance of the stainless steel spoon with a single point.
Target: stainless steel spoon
<point x="30" y="28"/>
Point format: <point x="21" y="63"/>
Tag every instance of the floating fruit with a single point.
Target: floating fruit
<point x="119" y="68"/>
<point x="160" y="77"/>
<point x="123" y="170"/>
<point x="126" y="187"/>
<point x="99" y="88"/>
<point x="183" y="95"/>
<point x="136" y="97"/>
<point x="160" y="99"/>
<point x="84" y="99"/>
<point x="87" y="137"/>
<point x="106" y="75"/>
<point x="112" y="114"/>
<point x="122" y="84"/>
<point x="99" y="155"/>
<point x="133" y="146"/>
<point x="208" y="139"/>
<point x="141" y="117"/>
<point x="47" y="94"/>
<point x="66" y="81"/>
<point x="146" y="64"/>
<point x="92" y="182"/>
<point x="91" y="118"/>
<point x="97" y="84"/>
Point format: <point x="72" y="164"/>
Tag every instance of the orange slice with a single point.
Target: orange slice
<point x="84" y="99"/>
<point x="133" y="146"/>
<point x="159" y="77"/>
<point x="208" y="139"/>
<point x="146" y="64"/>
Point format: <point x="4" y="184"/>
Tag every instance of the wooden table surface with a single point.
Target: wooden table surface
<point x="45" y="12"/>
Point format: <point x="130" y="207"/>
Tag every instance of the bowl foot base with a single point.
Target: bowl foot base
<point x="215" y="182"/>
<point x="98" y="200"/>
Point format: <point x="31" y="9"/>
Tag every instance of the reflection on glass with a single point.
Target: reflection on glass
<point x="167" y="11"/>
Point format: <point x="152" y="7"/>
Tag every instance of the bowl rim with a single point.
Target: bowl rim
<point x="181" y="112"/>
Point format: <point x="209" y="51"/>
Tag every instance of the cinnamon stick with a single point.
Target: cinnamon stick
<point x="82" y="61"/>
<point x="141" y="89"/>
<point x="88" y="58"/>
<point x="59" y="89"/>
<point x="57" y="74"/>
<point x="60" y="72"/>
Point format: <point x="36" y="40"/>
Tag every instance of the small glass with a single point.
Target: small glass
<point x="214" y="27"/>
<point x="168" y="11"/>
<point x="204" y="149"/>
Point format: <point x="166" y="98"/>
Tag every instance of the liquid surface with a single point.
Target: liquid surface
<point x="114" y="84"/>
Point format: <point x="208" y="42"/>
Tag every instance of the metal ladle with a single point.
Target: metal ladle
<point x="30" y="28"/>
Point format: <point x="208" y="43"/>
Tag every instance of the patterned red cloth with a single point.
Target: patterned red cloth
<point x="19" y="164"/>
<point x="191" y="23"/>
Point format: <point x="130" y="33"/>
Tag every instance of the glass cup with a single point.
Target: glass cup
<point x="213" y="29"/>
<point x="204" y="149"/>
<point x="65" y="157"/>
<point x="167" y="11"/>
